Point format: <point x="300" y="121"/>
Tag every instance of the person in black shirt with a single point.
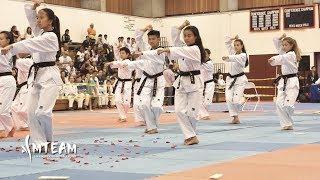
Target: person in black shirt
<point x="312" y="76"/>
<point x="86" y="43"/>
<point x="66" y="37"/>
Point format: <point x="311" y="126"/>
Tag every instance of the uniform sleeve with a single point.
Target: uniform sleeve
<point x="118" y="64"/>
<point x="288" y="59"/>
<point x="175" y="36"/>
<point x="153" y="56"/>
<point x="317" y="82"/>
<point x="228" y="43"/>
<point x="32" y="19"/>
<point x="277" y="44"/>
<point x="208" y="66"/>
<point x="238" y="58"/>
<point x="133" y="65"/>
<point x="187" y="52"/>
<point x="45" y="43"/>
<point x="139" y="40"/>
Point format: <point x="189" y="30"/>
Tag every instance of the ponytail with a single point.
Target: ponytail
<point x="295" y="47"/>
<point x="198" y="42"/>
<point x="243" y="51"/>
<point x="55" y="25"/>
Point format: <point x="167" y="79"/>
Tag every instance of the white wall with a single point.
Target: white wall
<point x="77" y="20"/>
<point x="214" y="27"/>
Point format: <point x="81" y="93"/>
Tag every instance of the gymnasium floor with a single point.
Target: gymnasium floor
<point x="254" y="150"/>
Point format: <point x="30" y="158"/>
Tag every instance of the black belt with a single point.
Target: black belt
<point x="235" y="78"/>
<point x="37" y="66"/>
<point x="19" y="86"/>
<point x="123" y="83"/>
<point x="6" y="74"/>
<point x="285" y="79"/>
<point x="155" y="82"/>
<point x="205" y="85"/>
<point x="189" y="73"/>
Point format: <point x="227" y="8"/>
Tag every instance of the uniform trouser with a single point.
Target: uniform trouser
<point x="285" y="105"/>
<point x="138" y="114"/>
<point x="79" y="98"/>
<point x="151" y="107"/>
<point x="7" y="91"/>
<point x="19" y="108"/>
<point x="234" y="98"/>
<point x="112" y="100"/>
<point x="187" y="108"/>
<point x="123" y="100"/>
<point x="103" y="99"/>
<point x="207" y="100"/>
<point x="41" y="100"/>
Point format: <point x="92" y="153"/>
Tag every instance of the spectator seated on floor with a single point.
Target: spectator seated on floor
<point x="72" y="94"/>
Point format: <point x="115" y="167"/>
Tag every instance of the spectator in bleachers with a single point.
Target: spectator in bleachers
<point x="15" y="33"/>
<point x="66" y="37"/>
<point x="312" y="76"/>
<point x="221" y="82"/>
<point x="86" y="42"/>
<point x="105" y="40"/>
<point x="28" y="34"/>
<point x="128" y="42"/>
<point x="72" y="71"/>
<point x="133" y="45"/>
<point x="101" y="85"/>
<point x="71" y="92"/>
<point x="63" y="75"/>
<point x="91" y="32"/>
<point x="80" y="54"/>
<point x="111" y="98"/>
<point x="65" y="61"/>
<point x="64" y="48"/>
<point x="99" y="41"/>
<point x="117" y="46"/>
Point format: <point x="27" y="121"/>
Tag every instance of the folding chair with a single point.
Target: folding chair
<point x="247" y="97"/>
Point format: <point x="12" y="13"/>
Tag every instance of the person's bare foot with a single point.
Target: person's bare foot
<point x="122" y="120"/>
<point x="2" y="134"/>
<point x="191" y="141"/>
<point x="205" y="118"/>
<point x="235" y="120"/>
<point x="11" y="133"/>
<point x="287" y="128"/>
<point x="24" y="129"/>
<point x="152" y="131"/>
<point x="140" y="124"/>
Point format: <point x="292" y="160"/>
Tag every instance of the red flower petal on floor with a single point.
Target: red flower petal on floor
<point x="173" y="146"/>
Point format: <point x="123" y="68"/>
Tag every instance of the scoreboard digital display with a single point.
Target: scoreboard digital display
<point x="298" y="17"/>
<point x="264" y="20"/>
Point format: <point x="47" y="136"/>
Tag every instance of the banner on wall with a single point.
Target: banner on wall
<point x="264" y="20"/>
<point x="129" y="23"/>
<point x="298" y="17"/>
